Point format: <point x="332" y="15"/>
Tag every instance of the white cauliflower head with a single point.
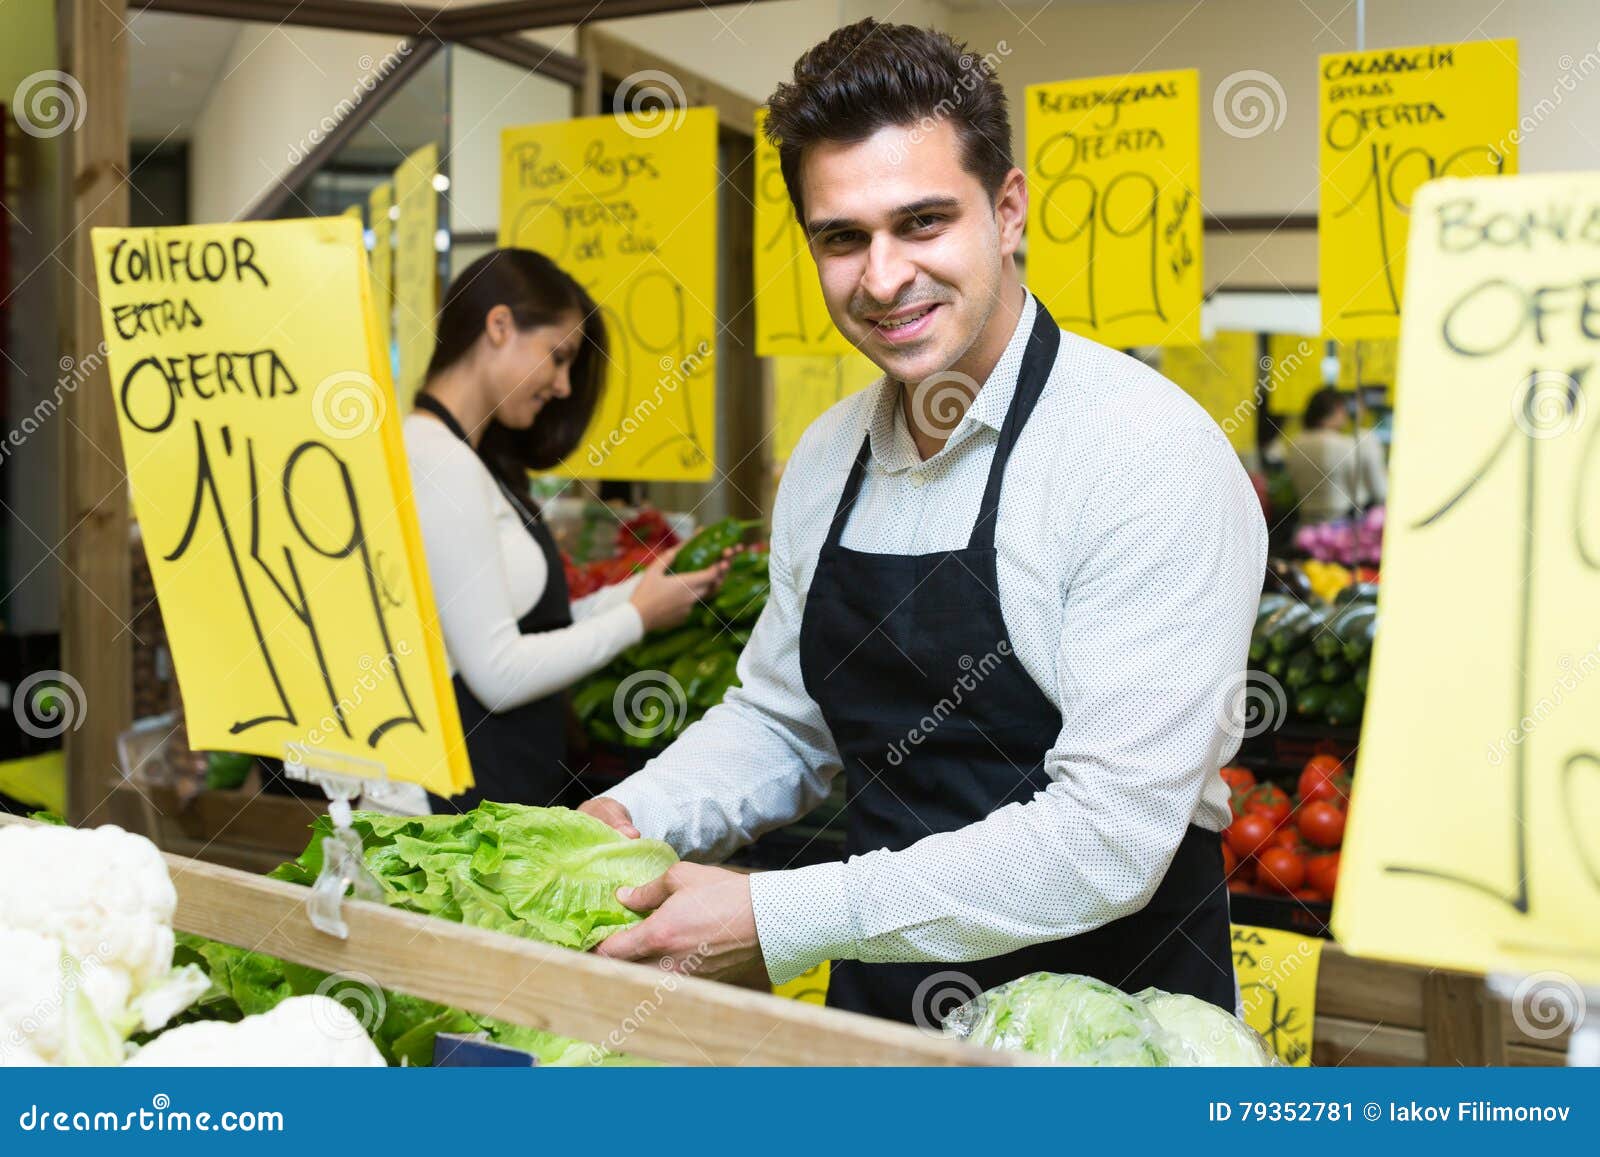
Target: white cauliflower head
<point x="86" y="917"/>
<point x="303" y="1031"/>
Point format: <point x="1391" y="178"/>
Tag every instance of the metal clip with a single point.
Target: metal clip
<point x="342" y="778"/>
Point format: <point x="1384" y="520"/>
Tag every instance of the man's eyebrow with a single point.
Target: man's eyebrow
<point x="911" y="209"/>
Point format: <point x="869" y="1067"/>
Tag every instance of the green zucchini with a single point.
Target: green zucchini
<point x="1344" y="706"/>
<point x="1335" y="670"/>
<point x="1301" y="668"/>
<point x="1312" y="701"/>
<point x="1359" y="679"/>
<point x="1360" y="634"/>
<point x="1289" y="634"/>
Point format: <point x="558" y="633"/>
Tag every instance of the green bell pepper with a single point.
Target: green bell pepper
<point x="709" y="544"/>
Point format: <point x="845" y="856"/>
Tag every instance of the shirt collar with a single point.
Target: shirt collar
<point x="892" y="444"/>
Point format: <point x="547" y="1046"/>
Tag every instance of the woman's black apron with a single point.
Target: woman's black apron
<point x="517" y="756"/>
<point x="888" y="644"/>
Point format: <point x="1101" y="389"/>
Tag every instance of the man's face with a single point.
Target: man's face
<point x="908" y="246"/>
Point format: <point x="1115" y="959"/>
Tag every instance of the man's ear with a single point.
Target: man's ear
<point x="1011" y="210"/>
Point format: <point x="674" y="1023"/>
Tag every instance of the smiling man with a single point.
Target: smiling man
<point x="1012" y="590"/>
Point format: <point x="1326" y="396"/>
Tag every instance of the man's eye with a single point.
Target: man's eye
<point x="925" y="222"/>
<point x="845" y="237"/>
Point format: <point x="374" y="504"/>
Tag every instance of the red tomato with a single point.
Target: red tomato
<point x="1238" y="778"/>
<point x="1267" y="799"/>
<point x="1322" y="872"/>
<point x="1249" y="834"/>
<point x="1322" y="824"/>
<point x="1287" y="836"/>
<point x="1239" y="885"/>
<point x="1230" y="859"/>
<point x="1318" y="770"/>
<point x="1310" y="896"/>
<point x="1280" y="869"/>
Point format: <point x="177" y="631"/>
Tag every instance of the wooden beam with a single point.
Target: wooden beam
<point x="96" y="559"/>
<point x="417" y="20"/>
<point x="618" y="58"/>
<point x="271" y="203"/>
<point x="631" y="1008"/>
<point x="1461" y="1021"/>
<point x="496" y="19"/>
<point x="548" y="62"/>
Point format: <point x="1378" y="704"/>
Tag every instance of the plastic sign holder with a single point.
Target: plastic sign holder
<point x="342" y="779"/>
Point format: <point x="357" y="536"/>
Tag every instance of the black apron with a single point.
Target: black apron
<point x="891" y="644"/>
<point x="517" y="755"/>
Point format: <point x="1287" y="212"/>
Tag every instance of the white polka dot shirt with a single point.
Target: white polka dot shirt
<point x="1131" y="550"/>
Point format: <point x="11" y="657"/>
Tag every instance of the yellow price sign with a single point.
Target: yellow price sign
<point x="810" y="987"/>
<point x="1278" y="988"/>
<point x="1114" y="229"/>
<point x="269" y="476"/>
<point x="1368" y="363"/>
<point x="791" y="318"/>
<point x="804" y="388"/>
<point x="1474" y="838"/>
<point x="381" y="260"/>
<point x="1391" y="119"/>
<point x="628" y="206"/>
<point x="416" y="267"/>
<point x="1220" y="374"/>
<point x="1294" y="372"/>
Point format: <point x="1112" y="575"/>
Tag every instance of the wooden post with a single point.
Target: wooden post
<point x="96" y="641"/>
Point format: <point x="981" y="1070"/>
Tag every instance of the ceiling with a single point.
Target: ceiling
<point x="172" y="63"/>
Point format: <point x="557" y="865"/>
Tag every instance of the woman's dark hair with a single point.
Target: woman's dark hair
<point x="538" y="292"/>
<point x="868" y="75"/>
<point x="1325" y="403"/>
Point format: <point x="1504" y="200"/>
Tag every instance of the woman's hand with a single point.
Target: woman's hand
<point x="664" y="600"/>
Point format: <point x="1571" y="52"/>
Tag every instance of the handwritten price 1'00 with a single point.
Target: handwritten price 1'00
<point x="1390" y="178"/>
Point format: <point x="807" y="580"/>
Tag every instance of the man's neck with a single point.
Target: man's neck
<point x="967" y="375"/>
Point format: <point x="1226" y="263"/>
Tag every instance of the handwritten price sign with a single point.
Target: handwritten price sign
<point x="1278" y="988"/>
<point x="267" y="470"/>
<point x="1221" y="375"/>
<point x="791" y="318"/>
<point x="1475" y="834"/>
<point x="1114" y="227"/>
<point x="1390" y="120"/>
<point x="416" y="266"/>
<point x="804" y="388"/>
<point x="629" y="208"/>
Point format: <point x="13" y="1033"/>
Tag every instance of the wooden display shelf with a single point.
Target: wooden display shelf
<point x="654" y="1014"/>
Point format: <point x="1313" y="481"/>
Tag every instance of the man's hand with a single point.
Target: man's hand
<point x="612" y="813"/>
<point x="701" y="921"/>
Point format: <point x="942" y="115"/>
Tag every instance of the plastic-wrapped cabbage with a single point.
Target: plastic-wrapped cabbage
<point x="1206" y="1035"/>
<point x="1074" y="1019"/>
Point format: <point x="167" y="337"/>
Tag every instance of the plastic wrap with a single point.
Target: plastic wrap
<point x="1072" y="1019"/>
<point x="1206" y="1035"/>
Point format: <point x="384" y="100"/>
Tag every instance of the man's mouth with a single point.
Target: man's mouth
<point x="904" y="324"/>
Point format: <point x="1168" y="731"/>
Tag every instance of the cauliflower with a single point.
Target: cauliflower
<point x="309" y="1031"/>
<point x="86" y="918"/>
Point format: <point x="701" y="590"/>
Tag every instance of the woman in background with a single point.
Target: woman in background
<point x="515" y="376"/>
<point x="1335" y="474"/>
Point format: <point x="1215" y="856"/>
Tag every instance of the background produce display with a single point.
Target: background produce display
<point x="1311" y="650"/>
<point x="645" y="697"/>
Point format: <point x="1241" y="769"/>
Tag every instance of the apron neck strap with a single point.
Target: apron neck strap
<point x="1038" y="359"/>
<point x="524" y="508"/>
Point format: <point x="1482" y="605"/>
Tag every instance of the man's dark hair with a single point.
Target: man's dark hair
<point x="868" y="75"/>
